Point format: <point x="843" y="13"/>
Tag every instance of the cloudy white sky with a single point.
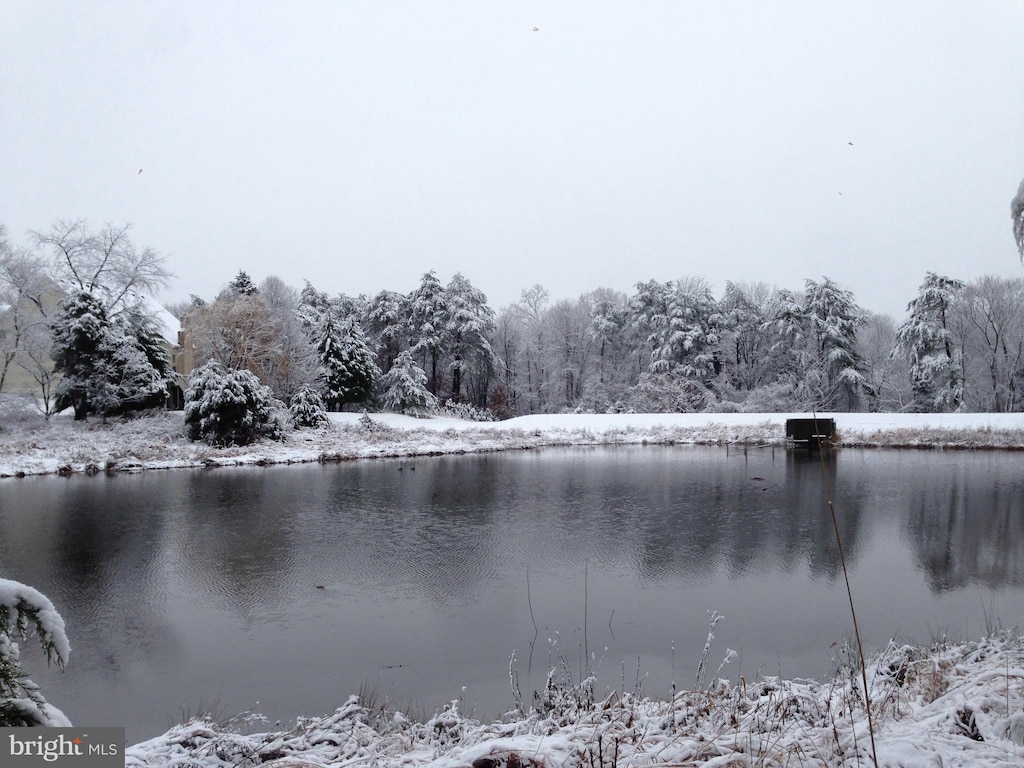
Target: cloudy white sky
<point x="359" y="144"/>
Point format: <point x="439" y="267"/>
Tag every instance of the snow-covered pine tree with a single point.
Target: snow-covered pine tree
<point x="125" y="379"/>
<point x="24" y="610"/>
<point x="347" y="362"/>
<point x="243" y="285"/>
<point x="469" y="325"/>
<point x="307" y="409"/>
<point x="925" y="339"/>
<point x="429" y="310"/>
<point x="107" y="367"/>
<point x="388" y="325"/>
<point x="683" y="326"/>
<point x="405" y="388"/>
<point x="79" y="331"/>
<point x="226" y="407"/>
<point x="834" y="316"/>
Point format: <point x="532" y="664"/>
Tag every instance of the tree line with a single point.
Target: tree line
<point x="668" y="346"/>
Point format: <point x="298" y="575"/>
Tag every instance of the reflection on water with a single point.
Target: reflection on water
<point x="283" y="589"/>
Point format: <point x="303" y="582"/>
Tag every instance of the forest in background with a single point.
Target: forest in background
<point x="670" y="346"/>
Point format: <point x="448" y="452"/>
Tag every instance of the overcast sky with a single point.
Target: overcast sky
<point x="360" y="144"/>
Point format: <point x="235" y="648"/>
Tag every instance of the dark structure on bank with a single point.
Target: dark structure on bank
<point x="811" y="434"/>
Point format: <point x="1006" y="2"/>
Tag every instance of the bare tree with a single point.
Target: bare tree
<point x="106" y="263"/>
<point x="23" y="287"/>
<point x="993" y="308"/>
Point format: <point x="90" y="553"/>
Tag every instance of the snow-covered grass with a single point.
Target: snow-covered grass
<point x="950" y="705"/>
<point x="33" y="446"/>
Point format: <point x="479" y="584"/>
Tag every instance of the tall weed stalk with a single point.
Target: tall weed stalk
<point x="849" y="591"/>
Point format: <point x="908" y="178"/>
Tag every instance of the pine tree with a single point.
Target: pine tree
<point x="469" y="325"/>
<point x="107" y="367"/>
<point x="405" y="388"/>
<point x="243" y="284"/>
<point x="833" y="317"/>
<point x="925" y="339"/>
<point x="25" y="611"/>
<point x="347" y="361"/>
<point x="226" y="407"/>
<point x="79" y="332"/>
<point x="683" y="326"/>
<point x="428" y="313"/>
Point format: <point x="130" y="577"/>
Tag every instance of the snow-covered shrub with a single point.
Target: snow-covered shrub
<point x="307" y="409"/>
<point x="465" y="411"/>
<point x="405" y="388"/>
<point x="22" y="609"/>
<point x="225" y="407"/>
<point x="667" y="393"/>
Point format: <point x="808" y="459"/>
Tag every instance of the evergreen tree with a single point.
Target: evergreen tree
<point x="347" y="361"/>
<point x="926" y="340"/>
<point x="243" y="285"/>
<point x="79" y="332"/>
<point x="683" y="327"/>
<point x="428" y="313"/>
<point x="405" y="388"/>
<point x="469" y="325"/>
<point x="388" y="322"/>
<point x="225" y="407"/>
<point x="25" y="611"/>
<point x="307" y="409"/>
<point x="833" y="318"/>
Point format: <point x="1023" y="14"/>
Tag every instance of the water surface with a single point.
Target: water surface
<point x="284" y="589"/>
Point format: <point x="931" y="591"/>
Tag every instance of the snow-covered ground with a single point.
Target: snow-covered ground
<point x="31" y="446"/>
<point x="959" y="705"/>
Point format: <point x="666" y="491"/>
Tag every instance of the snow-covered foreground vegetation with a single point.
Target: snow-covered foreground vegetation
<point x="31" y="446"/>
<point x="951" y="705"/>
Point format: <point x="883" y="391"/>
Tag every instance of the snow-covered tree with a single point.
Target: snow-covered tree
<point x="347" y="362"/>
<point x="926" y="340"/>
<point x="429" y="310"/>
<point x="1017" y="216"/>
<point x="388" y="325"/>
<point x="105" y="368"/>
<point x="888" y="375"/>
<point x="24" y="610"/>
<point x="229" y="407"/>
<point x="991" y="321"/>
<point x="469" y="324"/>
<point x="105" y="263"/>
<point x="834" y="317"/>
<point x="79" y="332"/>
<point x="243" y="285"/>
<point x="405" y="388"/>
<point x="683" y="326"/>
<point x="23" y="289"/>
<point x="307" y="409"/>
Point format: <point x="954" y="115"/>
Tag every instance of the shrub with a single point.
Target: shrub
<point x="465" y="411"/>
<point x="307" y="409"/>
<point x="229" y="407"/>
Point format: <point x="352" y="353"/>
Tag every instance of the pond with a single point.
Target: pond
<point x="282" y="590"/>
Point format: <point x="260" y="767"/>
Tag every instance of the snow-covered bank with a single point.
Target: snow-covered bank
<point x="157" y="441"/>
<point x="960" y="705"/>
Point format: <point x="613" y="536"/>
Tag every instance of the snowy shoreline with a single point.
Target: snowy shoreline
<point x="950" y="705"/>
<point x="157" y="441"/>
